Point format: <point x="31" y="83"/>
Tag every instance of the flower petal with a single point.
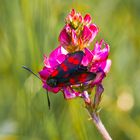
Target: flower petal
<point x="87" y="19"/>
<point x="100" y="54"/>
<point x="64" y="37"/>
<point x="54" y="58"/>
<point x="46" y="62"/>
<point x="61" y="58"/>
<point x="86" y="97"/>
<point x="107" y="66"/>
<point x="69" y="93"/>
<point x="86" y="34"/>
<point x="93" y="28"/>
<point x="97" y="97"/>
<point x="99" y="77"/>
<point x="74" y="38"/>
<point x="87" y="57"/>
<point x="54" y="90"/>
<point x="44" y="74"/>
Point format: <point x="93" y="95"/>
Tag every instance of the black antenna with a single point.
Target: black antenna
<point x="49" y="103"/>
<point x="26" y="68"/>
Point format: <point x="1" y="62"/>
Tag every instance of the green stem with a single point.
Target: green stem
<point x="100" y="127"/>
<point x="93" y="112"/>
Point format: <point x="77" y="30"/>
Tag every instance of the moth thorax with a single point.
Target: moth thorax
<point x="52" y="82"/>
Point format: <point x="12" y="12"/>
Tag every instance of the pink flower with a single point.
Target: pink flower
<point x="96" y="60"/>
<point x="76" y="35"/>
<point x="78" y="32"/>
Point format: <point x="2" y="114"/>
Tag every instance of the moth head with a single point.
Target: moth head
<point x="52" y="82"/>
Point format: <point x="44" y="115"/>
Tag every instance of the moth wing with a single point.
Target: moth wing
<point x="76" y="78"/>
<point x="69" y="65"/>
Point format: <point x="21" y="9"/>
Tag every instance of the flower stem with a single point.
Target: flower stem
<point x="99" y="125"/>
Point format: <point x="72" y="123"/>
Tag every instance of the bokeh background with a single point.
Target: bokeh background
<point x="29" y="29"/>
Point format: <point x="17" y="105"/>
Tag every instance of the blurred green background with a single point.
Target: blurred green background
<point x="29" y="29"/>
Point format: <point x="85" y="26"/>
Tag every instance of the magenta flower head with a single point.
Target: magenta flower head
<point x="78" y="32"/>
<point x="73" y="68"/>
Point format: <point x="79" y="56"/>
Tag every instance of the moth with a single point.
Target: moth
<point x="69" y="72"/>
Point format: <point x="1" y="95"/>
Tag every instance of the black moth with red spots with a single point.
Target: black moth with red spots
<point x="70" y="72"/>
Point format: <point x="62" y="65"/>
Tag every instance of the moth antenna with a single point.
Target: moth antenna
<point x="26" y="68"/>
<point x="49" y="103"/>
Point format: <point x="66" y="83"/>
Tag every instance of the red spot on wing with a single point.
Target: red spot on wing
<point x="54" y="73"/>
<point x="72" y="80"/>
<point x="82" y="77"/>
<point x="76" y="61"/>
<point x="61" y="85"/>
<point x="64" y="67"/>
<point x="73" y="60"/>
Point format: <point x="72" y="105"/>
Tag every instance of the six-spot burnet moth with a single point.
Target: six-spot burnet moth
<point x="69" y="72"/>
